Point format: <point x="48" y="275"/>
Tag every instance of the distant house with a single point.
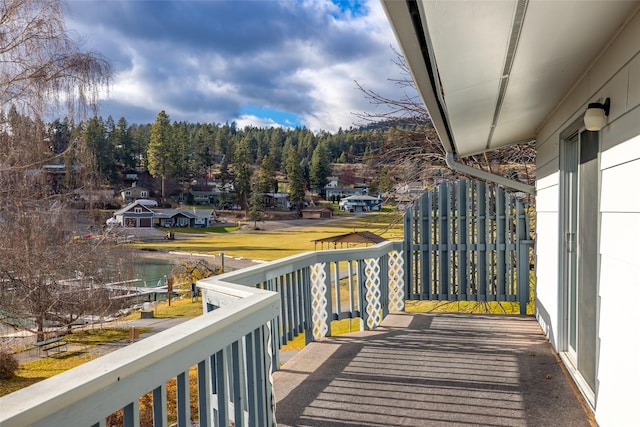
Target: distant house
<point x="130" y="194"/>
<point x="333" y="193"/>
<point x="316" y="213"/>
<point x="99" y="197"/>
<point x="204" y="195"/>
<point x="332" y="182"/>
<point x="360" y="203"/>
<point x="276" y="200"/>
<point x="130" y="176"/>
<point x="135" y="215"/>
<point x="184" y="218"/>
<point x="411" y="188"/>
<point x="54" y="174"/>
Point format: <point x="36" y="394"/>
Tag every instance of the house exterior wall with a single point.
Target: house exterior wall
<point x="616" y="74"/>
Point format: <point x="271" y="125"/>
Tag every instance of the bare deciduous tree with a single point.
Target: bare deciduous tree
<point x="43" y="70"/>
<point x="412" y="143"/>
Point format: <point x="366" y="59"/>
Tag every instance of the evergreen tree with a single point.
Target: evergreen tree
<point x="256" y="205"/>
<point x="141" y="135"/>
<point x="123" y="144"/>
<point x="293" y="165"/>
<point x="275" y="147"/>
<point x="267" y="182"/>
<point x="59" y="135"/>
<point x="242" y="172"/>
<point x="320" y="168"/>
<point x="160" y="149"/>
<point x="100" y="152"/>
<point x="204" y="146"/>
<point x="181" y="150"/>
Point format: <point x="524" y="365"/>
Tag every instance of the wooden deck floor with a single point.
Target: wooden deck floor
<point x="431" y="370"/>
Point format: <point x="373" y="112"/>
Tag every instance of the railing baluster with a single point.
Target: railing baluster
<point x="131" y="415"/>
<point x="253" y="382"/>
<point x="481" y="212"/>
<point x="308" y="311"/>
<point x="295" y="296"/>
<point x="383" y="263"/>
<point x="239" y="391"/>
<point x="222" y="419"/>
<point x="463" y="253"/>
<point x="204" y="393"/>
<point x="182" y="397"/>
<point x="500" y="246"/>
<point x="160" y="406"/>
<point x="352" y="308"/>
<point x="336" y="285"/>
<point x="327" y="287"/>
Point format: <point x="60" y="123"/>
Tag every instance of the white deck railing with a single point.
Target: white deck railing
<point x="233" y="347"/>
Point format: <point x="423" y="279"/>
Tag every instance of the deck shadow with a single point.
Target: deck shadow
<point x="430" y="369"/>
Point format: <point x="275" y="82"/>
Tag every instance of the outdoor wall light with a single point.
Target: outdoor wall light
<point x="596" y="115"/>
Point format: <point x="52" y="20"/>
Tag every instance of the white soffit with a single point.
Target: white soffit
<point x="469" y="41"/>
<point x="558" y="41"/>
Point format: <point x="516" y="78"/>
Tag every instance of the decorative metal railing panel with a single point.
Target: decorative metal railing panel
<point x="467" y="241"/>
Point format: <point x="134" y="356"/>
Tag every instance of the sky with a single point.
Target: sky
<point x="260" y="63"/>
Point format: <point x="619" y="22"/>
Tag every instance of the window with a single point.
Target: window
<point x="127" y="193"/>
<point x="137" y="210"/>
<point x="144" y="194"/>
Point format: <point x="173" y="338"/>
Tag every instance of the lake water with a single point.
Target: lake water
<point x="150" y="270"/>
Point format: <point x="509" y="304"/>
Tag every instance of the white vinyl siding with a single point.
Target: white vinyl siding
<point x="616" y="75"/>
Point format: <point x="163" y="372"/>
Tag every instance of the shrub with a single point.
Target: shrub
<point x="8" y="365"/>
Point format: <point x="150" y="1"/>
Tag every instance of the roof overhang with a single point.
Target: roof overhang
<point x="492" y="72"/>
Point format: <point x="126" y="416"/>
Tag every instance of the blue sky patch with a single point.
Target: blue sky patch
<point x="356" y="7"/>
<point x="281" y="117"/>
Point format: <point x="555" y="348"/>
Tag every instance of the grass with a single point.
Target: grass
<point x="180" y="307"/>
<point x="272" y="245"/>
<point x="338" y="327"/>
<point x="46" y="367"/>
<point x="491" y="307"/>
<point x="227" y="228"/>
<point x="93" y="337"/>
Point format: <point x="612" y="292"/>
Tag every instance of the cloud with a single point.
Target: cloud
<point x="208" y="61"/>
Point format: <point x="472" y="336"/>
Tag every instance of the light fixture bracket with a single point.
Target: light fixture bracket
<point x="605" y="106"/>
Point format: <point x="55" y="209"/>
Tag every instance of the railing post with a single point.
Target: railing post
<point x="407" y="254"/>
<point x="523" y="275"/>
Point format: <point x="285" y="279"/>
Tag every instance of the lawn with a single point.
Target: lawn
<point x="272" y="245"/>
<point x="45" y="367"/>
